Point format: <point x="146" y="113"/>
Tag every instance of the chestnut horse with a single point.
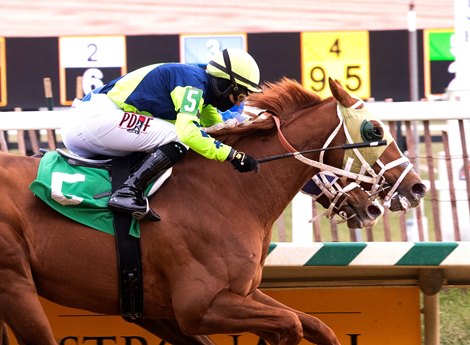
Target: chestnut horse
<point x="202" y="263"/>
<point x="344" y="201"/>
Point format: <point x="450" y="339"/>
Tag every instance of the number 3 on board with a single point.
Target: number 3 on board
<point x="340" y="55"/>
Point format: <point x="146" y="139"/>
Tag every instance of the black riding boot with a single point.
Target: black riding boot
<point x="129" y="198"/>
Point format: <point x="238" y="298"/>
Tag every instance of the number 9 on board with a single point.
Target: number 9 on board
<point x="340" y="55"/>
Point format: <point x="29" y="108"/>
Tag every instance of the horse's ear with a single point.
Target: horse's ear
<point x="333" y="87"/>
<point x="341" y="95"/>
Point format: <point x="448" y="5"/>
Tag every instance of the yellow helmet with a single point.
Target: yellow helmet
<point x="237" y="66"/>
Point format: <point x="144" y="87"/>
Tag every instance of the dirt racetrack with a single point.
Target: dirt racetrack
<point x="139" y="17"/>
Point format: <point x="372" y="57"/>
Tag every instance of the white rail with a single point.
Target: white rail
<point x="386" y="111"/>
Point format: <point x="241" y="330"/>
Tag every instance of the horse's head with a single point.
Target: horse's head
<point x="396" y="181"/>
<point x="344" y="201"/>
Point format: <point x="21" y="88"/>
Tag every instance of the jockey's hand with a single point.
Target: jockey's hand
<point x="242" y="162"/>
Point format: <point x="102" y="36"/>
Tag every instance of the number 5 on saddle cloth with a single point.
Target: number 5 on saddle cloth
<point x="79" y="189"/>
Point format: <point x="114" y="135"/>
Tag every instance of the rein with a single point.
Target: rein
<point x="384" y="167"/>
<point x="337" y="195"/>
<point x="376" y="180"/>
<point x="317" y="164"/>
<point x="323" y="149"/>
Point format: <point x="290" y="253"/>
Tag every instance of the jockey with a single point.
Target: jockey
<point x="161" y="109"/>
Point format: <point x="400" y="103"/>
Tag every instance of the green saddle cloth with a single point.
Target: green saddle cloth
<point x="79" y="193"/>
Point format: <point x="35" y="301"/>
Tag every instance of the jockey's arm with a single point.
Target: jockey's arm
<point x="189" y="104"/>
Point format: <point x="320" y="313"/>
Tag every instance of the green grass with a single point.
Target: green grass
<point x="455" y="316"/>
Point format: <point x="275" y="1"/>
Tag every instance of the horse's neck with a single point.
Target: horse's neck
<point x="279" y="181"/>
<point x="274" y="187"/>
<point x="258" y="198"/>
<point x="310" y="130"/>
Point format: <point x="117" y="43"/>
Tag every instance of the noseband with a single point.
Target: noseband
<point x="337" y="195"/>
<point x="377" y="180"/>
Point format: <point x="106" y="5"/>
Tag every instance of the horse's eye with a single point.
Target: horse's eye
<point x="371" y="131"/>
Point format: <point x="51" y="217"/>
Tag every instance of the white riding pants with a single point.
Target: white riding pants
<point x="99" y="126"/>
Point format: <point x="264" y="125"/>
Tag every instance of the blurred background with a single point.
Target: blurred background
<point x="397" y="50"/>
<point x="19" y="18"/>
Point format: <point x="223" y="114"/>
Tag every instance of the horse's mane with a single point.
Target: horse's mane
<point x="281" y="98"/>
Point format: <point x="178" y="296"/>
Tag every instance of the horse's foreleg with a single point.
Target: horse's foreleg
<point x="229" y="312"/>
<point x="19" y="303"/>
<point x="169" y="331"/>
<point x="315" y="330"/>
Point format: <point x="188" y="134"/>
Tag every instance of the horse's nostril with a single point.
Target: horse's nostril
<point x="419" y="190"/>
<point x="374" y="211"/>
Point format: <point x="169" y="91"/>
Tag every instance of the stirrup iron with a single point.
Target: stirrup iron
<point x="148" y="214"/>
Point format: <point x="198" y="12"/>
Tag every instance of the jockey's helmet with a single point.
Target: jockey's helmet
<point x="237" y="66"/>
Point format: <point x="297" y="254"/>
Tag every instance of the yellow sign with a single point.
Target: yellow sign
<point x="358" y="315"/>
<point x="340" y="55"/>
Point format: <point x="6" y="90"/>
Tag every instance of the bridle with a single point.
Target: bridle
<point x="318" y="164"/>
<point x="366" y="174"/>
<point x="338" y="196"/>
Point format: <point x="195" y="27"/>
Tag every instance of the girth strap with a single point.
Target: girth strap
<point x="128" y="252"/>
